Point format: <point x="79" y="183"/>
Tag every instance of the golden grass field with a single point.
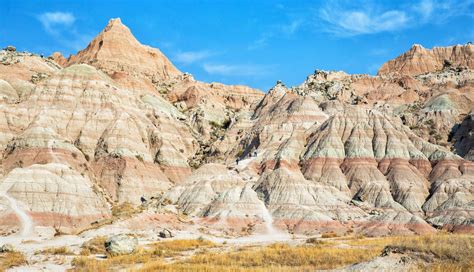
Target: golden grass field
<point x="452" y="252"/>
<point x="11" y="259"/>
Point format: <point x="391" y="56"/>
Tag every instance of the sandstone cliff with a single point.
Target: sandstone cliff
<point x="116" y="52"/>
<point x="378" y="155"/>
<point x="419" y="60"/>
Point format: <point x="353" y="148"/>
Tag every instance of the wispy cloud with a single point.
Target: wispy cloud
<point x="52" y="20"/>
<point x="438" y="11"/>
<point x="193" y="56"/>
<point x="60" y="25"/>
<point x="425" y="8"/>
<point x="348" y="22"/>
<point x="342" y="18"/>
<point x="236" y="69"/>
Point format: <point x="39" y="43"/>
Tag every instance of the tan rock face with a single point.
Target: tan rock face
<point x="116" y="52"/>
<point x="345" y="153"/>
<point x="419" y="60"/>
<point x="311" y="164"/>
<point x="125" y="143"/>
<point x="59" y="59"/>
<point x="54" y="195"/>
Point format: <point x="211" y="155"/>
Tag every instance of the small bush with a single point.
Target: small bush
<point x="95" y="245"/>
<point x="139" y="157"/>
<point x="315" y="241"/>
<point x="56" y="251"/>
<point x="330" y="234"/>
<point x="214" y="124"/>
<point x="11" y="259"/>
<point x="152" y="253"/>
<point x="124" y="209"/>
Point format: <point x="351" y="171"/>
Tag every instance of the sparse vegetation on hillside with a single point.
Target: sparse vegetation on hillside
<point x="451" y="252"/>
<point x="95" y="245"/>
<point x="11" y="259"/>
<point x="152" y="253"/>
<point x="125" y="209"/>
<point x="56" y="251"/>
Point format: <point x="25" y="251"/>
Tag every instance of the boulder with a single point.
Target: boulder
<point x="6" y="248"/>
<point x="121" y="244"/>
<point x="166" y="233"/>
<point x="10" y="48"/>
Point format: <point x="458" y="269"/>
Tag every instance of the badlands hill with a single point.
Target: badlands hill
<point x="119" y="123"/>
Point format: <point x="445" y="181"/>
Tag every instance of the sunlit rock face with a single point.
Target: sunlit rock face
<point x="117" y="122"/>
<point x="55" y="195"/>
<point x="133" y="65"/>
<point x="419" y="60"/>
<point x="128" y="144"/>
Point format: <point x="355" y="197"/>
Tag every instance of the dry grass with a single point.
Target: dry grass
<point x="450" y="253"/>
<point x="330" y="234"/>
<point x="125" y="210"/>
<point x="89" y="264"/>
<point x="180" y="267"/>
<point x="173" y="247"/>
<point x="274" y="257"/>
<point x="140" y="256"/>
<point x="56" y="251"/>
<point x="11" y="259"/>
<point x="95" y="245"/>
<point x="153" y="253"/>
<point x="119" y="212"/>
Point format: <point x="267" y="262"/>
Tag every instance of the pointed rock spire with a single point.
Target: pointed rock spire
<point x="118" y="53"/>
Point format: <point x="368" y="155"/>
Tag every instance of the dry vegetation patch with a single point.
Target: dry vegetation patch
<point x="56" y="251"/>
<point x="11" y="259"/>
<point x="95" y="245"/>
<point x="275" y="257"/>
<point x="119" y="212"/>
<point x="173" y="247"/>
<point x="125" y="210"/>
<point x="450" y="252"/>
<point x="153" y="253"/>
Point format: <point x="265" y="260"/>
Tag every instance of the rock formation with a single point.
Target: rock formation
<point x="116" y="52"/>
<point x="118" y="122"/>
<point x="464" y="138"/>
<point x="419" y="60"/>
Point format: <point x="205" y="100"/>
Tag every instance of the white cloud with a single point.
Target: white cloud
<point x="236" y="70"/>
<point x="438" y="11"/>
<point x="355" y="22"/>
<point x="61" y="27"/>
<point x="370" y="17"/>
<point x="193" y="56"/>
<point x="425" y="8"/>
<point x="51" y="20"/>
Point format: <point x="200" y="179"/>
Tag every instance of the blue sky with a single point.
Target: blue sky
<point x="247" y="42"/>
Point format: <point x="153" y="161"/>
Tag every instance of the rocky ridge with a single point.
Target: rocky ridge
<point x="117" y="122"/>
<point x="419" y="60"/>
